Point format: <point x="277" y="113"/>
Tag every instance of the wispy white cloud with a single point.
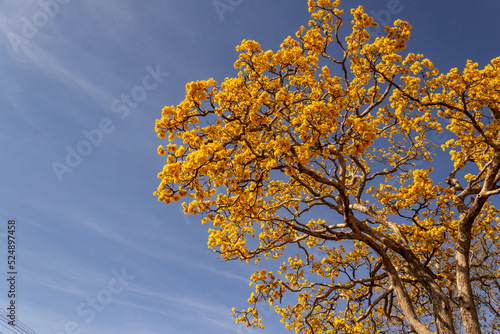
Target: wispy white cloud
<point x="222" y="324"/>
<point x="224" y="273"/>
<point x="184" y="301"/>
<point x="53" y="65"/>
<point x="65" y="274"/>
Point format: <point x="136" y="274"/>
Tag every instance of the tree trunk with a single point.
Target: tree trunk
<point x="441" y="307"/>
<point x="465" y="298"/>
<point x="464" y="287"/>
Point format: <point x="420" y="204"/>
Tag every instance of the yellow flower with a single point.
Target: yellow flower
<point x="161" y="150"/>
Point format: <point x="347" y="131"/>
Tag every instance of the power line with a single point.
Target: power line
<point x="5" y="328"/>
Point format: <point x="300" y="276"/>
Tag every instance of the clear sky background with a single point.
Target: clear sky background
<point x="97" y="253"/>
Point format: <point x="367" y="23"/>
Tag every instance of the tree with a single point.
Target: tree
<point x="319" y="156"/>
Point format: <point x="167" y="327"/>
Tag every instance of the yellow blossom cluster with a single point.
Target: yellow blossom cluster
<point x="300" y="134"/>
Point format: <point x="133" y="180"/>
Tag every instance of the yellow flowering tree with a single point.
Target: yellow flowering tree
<point x="317" y="160"/>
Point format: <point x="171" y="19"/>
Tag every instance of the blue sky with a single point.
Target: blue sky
<point x="97" y="253"/>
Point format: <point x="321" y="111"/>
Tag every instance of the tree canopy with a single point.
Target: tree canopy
<point x="318" y="160"/>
